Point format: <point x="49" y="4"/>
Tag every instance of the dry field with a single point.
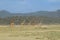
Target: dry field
<point x="28" y="32"/>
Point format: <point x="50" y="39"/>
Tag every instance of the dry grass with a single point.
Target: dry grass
<point x="29" y="32"/>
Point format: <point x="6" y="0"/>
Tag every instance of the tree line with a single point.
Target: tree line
<point x="29" y="20"/>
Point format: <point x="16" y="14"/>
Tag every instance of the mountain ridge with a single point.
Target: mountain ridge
<point x="5" y="13"/>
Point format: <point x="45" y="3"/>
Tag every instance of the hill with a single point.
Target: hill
<point x="33" y="18"/>
<point x="5" y="13"/>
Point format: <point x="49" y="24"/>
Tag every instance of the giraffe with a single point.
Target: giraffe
<point x="12" y="23"/>
<point x="23" y="22"/>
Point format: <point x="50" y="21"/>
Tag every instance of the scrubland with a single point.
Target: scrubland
<point x="30" y="32"/>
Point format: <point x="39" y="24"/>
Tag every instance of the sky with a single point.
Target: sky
<point x="24" y="6"/>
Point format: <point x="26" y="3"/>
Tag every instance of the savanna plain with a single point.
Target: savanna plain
<point x="29" y="32"/>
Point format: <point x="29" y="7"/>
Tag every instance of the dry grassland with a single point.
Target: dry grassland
<point x="29" y="32"/>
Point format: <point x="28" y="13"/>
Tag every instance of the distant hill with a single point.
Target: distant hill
<point x="44" y="17"/>
<point x="5" y="13"/>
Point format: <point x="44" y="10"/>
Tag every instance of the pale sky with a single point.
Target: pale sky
<point x="24" y="6"/>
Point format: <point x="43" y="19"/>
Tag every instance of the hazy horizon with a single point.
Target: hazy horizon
<point x="25" y="6"/>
